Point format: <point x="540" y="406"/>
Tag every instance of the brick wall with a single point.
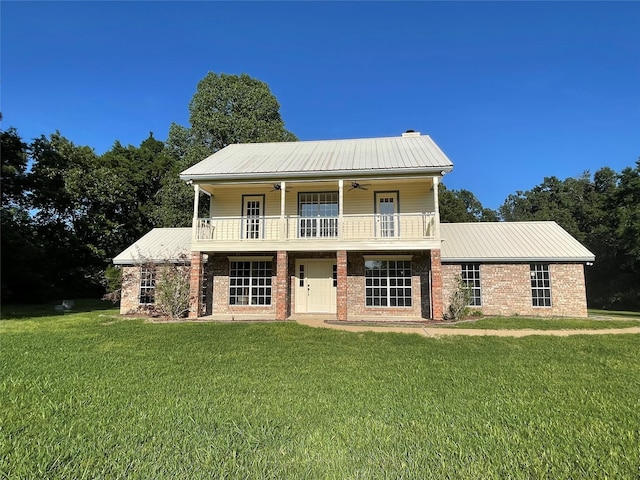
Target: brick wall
<point x="220" y="279"/>
<point x="130" y="294"/>
<point x="342" y="290"/>
<point x="356" y="294"/>
<point x="436" y="285"/>
<point x="506" y="289"/>
<point x="280" y="290"/>
<point x="195" y="285"/>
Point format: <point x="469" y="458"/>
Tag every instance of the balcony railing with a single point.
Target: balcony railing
<point x="403" y="226"/>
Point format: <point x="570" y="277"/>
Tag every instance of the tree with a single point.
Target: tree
<point x="604" y="214"/>
<point x="462" y="206"/>
<point x="14" y="155"/>
<point x="20" y="253"/>
<point x="225" y="109"/>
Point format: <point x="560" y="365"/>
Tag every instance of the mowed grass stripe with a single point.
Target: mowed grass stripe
<point x="90" y="396"/>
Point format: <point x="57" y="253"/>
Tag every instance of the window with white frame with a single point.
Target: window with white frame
<point x="147" y="286"/>
<point x="250" y="283"/>
<point x="471" y="278"/>
<point x="540" y="285"/>
<point x="318" y="214"/>
<point x="388" y="283"/>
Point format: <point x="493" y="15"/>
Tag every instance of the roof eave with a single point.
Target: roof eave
<point x="517" y="259"/>
<point x="274" y="176"/>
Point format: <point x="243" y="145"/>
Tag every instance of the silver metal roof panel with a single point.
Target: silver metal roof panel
<point x="365" y="156"/>
<point x="159" y="245"/>
<point x="510" y="242"/>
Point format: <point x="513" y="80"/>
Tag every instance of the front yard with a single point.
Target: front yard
<point x="92" y="395"/>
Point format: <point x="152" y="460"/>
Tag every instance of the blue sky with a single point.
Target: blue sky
<point x="511" y="91"/>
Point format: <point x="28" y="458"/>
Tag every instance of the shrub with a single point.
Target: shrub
<point x="172" y="290"/>
<point x="459" y="301"/>
<point x="112" y="282"/>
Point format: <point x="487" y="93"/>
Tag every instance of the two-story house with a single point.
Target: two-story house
<point x="349" y="229"/>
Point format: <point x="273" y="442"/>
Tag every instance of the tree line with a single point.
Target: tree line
<point x="66" y="211"/>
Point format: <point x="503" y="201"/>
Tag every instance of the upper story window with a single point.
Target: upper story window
<point x="318" y="213"/>
<point x="540" y="285"/>
<point x="147" y="286"/>
<point x="471" y="278"/>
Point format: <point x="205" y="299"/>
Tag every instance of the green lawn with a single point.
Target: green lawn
<point x="519" y="323"/>
<point x="91" y="395"/>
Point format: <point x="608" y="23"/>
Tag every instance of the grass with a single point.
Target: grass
<point x="92" y="395"/>
<point x="520" y="323"/>
<point x="608" y="314"/>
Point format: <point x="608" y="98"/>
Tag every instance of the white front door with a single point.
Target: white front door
<point x="387" y="214"/>
<point x="316" y="286"/>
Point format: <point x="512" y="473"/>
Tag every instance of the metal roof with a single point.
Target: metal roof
<point x="510" y="242"/>
<point x="413" y="154"/>
<point x="159" y="245"/>
<point x="461" y="242"/>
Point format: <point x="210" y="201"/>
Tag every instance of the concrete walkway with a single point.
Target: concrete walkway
<point x="445" y="332"/>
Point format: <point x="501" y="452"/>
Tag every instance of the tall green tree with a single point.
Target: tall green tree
<point x="14" y="156"/>
<point x="20" y="255"/>
<point x="462" y="206"/>
<point x="225" y="109"/>
<point x="604" y="214"/>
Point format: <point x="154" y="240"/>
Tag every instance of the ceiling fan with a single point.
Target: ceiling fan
<point x="356" y="185"/>
<point x="277" y="187"/>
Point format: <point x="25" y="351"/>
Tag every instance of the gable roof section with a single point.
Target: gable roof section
<point x="329" y="158"/>
<point x="510" y="242"/>
<point x="159" y="245"/>
<point x="461" y="242"/>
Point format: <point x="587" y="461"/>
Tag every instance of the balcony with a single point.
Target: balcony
<point x="407" y="230"/>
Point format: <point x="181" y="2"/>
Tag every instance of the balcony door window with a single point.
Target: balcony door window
<point x="318" y="214"/>
<point x="386" y="214"/>
<point x="252" y="216"/>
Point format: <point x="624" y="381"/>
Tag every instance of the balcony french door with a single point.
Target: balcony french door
<point x="252" y="219"/>
<point x="318" y="215"/>
<point x="387" y="214"/>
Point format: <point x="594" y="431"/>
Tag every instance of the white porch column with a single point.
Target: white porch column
<point x="340" y="207"/>
<point x="283" y="223"/>
<point x="436" y="209"/>
<point x="196" y="207"/>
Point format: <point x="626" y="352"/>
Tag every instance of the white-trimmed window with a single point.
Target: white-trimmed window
<point x="388" y="283"/>
<point x="318" y="214"/>
<point x="471" y="278"/>
<point x="540" y="285"/>
<point x="250" y="283"/>
<point x="147" y="286"/>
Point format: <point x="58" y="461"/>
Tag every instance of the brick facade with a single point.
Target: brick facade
<point x="342" y="310"/>
<point x="436" y="285"/>
<point x="506" y="289"/>
<point x="281" y="291"/>
<point x="130" y="293"/>
<point x="220" y="270"/>
<point x="356" y="293"/>
<point x="195" y="285"/>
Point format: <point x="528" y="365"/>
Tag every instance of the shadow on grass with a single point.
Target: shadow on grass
<point x="18" y="311"/>
<point x="595" y="313"/>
